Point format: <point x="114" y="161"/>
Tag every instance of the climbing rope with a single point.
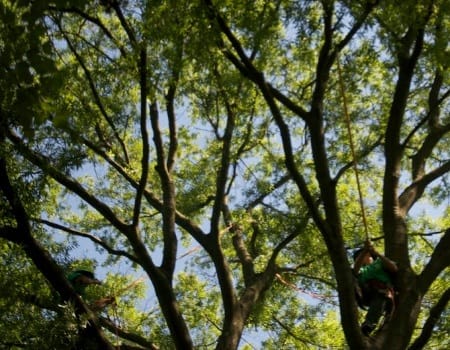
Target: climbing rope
<point x="352" y="148"/>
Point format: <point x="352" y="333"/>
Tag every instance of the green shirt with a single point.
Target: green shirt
<point x="374" y="271"/>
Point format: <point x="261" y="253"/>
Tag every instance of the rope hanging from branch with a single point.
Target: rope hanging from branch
<point x="352" y="148"/>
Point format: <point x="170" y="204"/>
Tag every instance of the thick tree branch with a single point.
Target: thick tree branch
<point x="394" y="225"/>
<point x="18" y="211"/>
<point x="10" y="233"/>
<point x="440" y="259"/>
<point x="168" y="189"/>
<point x="437" y="131"/>
<point x="220" y="206"/>
<point x="222" y="174"/>
<point x="434" y="100"/>
<point x="144" y="137"/>
<point x="427" y="329"/>
<point x="414" y="191"/>
<point x="170" y="97"/>
<point x="245" y="258"/>
<point x="393" y="151"/>
<point x="170" y="104"/>
<point x="323" y="66"/>
<point x="163" y="277"/>
<point x="332" y="231"/>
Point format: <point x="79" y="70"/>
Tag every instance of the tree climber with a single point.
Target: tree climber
<point x="374" y="273"/>
<point x="80" y="279"/>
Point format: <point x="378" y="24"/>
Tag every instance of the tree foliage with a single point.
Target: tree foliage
<point x="203" y="145"/>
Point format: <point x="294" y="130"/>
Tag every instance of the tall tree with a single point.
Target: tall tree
<point x="216" y="132"/>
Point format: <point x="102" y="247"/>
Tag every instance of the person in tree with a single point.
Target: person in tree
<point x="80" y="279"/>
<point x="375" y="291"/>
